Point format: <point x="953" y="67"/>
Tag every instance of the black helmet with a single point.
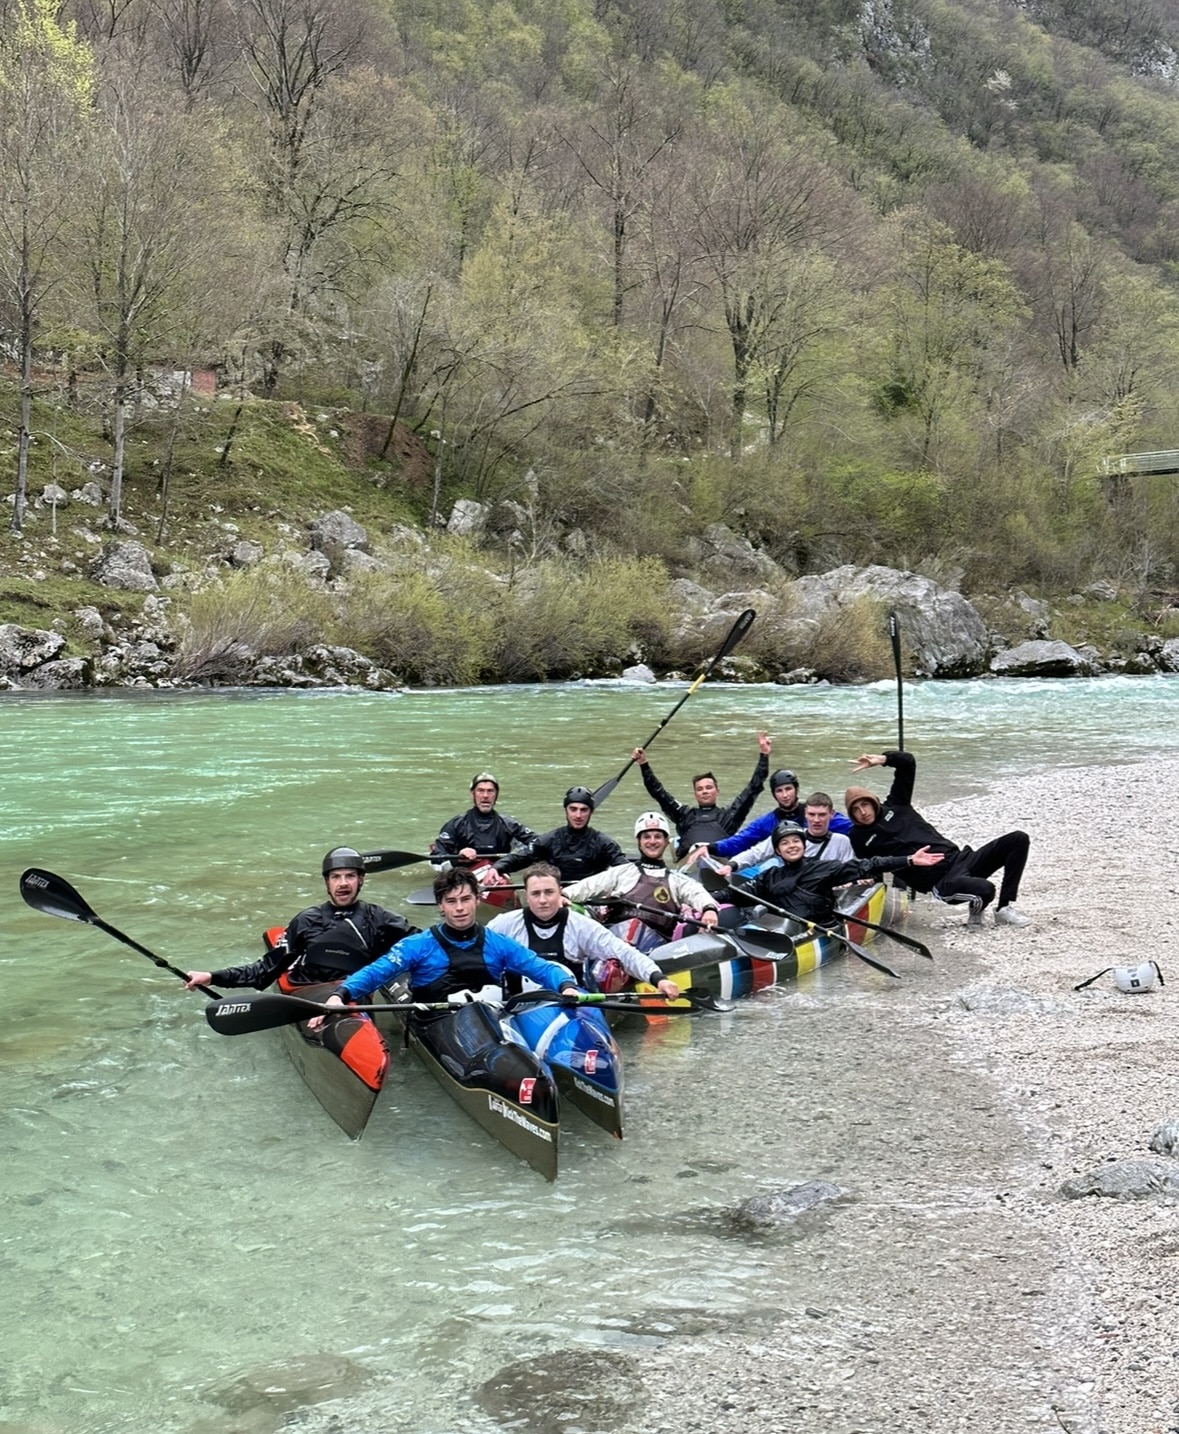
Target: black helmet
<point x="483" y="777"/>
<point x="581" y="795"/>
<point x="783" y="777"/>
<point x="785" y="829"/>
<point x="343" y="858"/>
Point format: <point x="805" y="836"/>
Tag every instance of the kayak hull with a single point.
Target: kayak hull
<point x="583" y="1055"/>
<point x="500" y="1083"/>
<point x="706" y="960"/>
<point x="343" y="1065"/>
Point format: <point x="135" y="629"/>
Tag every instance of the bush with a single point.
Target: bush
<point x="564" y="621"/>
<point x="430" y="629"/>
<point x="261" y="612"/>
<point x="851" y="644"/>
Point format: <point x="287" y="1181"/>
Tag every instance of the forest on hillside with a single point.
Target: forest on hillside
<point x="877" y="281"/>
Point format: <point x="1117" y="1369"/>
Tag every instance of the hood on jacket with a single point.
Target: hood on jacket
<point x="860" y="794"/>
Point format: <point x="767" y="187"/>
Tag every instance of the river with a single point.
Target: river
<point x="185" y="1233"/>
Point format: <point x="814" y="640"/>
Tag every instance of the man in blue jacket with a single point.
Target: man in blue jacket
<point x="458" y="955"/>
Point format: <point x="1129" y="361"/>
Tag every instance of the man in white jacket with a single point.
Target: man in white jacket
<point x="546" y="926"/>
<point x="656" y="895"/>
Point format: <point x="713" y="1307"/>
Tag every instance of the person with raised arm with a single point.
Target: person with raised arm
<point x="706" y="821"/>
<point x="895" y="827"/>
<point x="805" y="885"/>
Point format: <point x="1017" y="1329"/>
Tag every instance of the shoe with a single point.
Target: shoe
<point x="1010" y="916"/>
<point x="976" y="912"/>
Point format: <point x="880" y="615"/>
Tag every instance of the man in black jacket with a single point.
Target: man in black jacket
<point x="577" y="850"/>
<point x="706" y="821"/>
<point x="805" y="885"/>
<point x="481" y="831"/>
<point x="896" y="827"/>
<point x="325" y="942"/>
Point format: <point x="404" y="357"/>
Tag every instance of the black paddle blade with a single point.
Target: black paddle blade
<point x="53" y="895"/>
<point x="240" y="1017"/>
<point x="775" y="942"/>
<point x="736" y="633"/>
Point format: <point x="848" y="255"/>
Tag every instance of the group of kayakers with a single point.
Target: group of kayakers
<point x="801" y="852"/>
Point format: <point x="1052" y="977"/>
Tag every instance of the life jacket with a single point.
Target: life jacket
<point x="337" y="946"/>
<point x="552" y="946"/>
<point x="653" y="889"/>
<point x="466" y="971"/>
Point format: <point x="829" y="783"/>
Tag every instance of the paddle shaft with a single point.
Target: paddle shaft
<point x="894" y="636"/>
<point x="53" y="895"/>
<point x="151" y="955"/>
<point x="736" y="633"/>
<point x="893" y="935"/>
<point x="827" y="931"/>
<point x="266" y="1010"/>
<point x="730" y="938"/>
<point x="393" y="860"/>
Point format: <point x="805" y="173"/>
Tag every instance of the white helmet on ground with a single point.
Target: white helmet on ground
<point x="653" y="822"/>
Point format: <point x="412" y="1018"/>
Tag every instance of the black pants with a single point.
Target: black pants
<point x="967" y="876"/>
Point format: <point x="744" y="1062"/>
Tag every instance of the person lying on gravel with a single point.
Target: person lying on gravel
<point x="894" y="827"/>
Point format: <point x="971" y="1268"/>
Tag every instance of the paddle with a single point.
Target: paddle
<point x="242" y="1015"/>
<point x="744" y="897"/>
<point x="54" y="896"/>
<point x="392" y="860"/>
<point x="737" y="882"/>
<point x="894" y="636"/>
<point x="776" y="942"/>
<point x="736" y="633"/>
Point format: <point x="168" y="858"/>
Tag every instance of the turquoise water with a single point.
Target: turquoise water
<point x="179" y="1214"/>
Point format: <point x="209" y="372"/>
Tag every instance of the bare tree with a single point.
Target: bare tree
<point x="756" y="202"/>
<point x="46" y="77"/>
<point x="153" y="230"/>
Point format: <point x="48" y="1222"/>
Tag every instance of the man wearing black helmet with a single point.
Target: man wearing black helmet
<point x="325" y="942"/>
<point x="784" y="785"/>
<point x="706" y="821"/>
<point x="805" y="885"/>
<point x="577" y="849"/>
<point x="481" y="831"/>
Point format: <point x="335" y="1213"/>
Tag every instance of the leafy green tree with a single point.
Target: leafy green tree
<point x="944" y="313"/>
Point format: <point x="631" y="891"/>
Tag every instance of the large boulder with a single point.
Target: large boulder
<point x="944" y="632"/>
<point x="1041" y="659"/>
<point x="723" y="554"/>
<point x="24" y="648"/>
<point x="332" y="536"/>
<point x="124" y="565"/>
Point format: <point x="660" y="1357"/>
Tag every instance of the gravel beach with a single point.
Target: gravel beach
<point x="1010" y="1307"/>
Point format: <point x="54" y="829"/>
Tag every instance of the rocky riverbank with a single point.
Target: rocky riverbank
<point x="821" y="627"/>
<point x="1027" y="1305"/>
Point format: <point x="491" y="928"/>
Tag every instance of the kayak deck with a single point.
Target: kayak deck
<point x="500" y="1084"/>
<point x="343" y="1065"/>
<point x="704" y="960"/>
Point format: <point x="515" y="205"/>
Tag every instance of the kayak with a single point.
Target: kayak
<point x="480" y="1061"/>
<point x="707" y="960"/>
<point x="343" y="1064"/>
<point x="584" y="1057"/>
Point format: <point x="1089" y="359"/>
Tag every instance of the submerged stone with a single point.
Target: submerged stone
<point x="570" y="1389"/>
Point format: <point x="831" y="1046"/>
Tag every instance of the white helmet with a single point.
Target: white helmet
<point x="1135" y="979"/>
<point x="653" y="822"/>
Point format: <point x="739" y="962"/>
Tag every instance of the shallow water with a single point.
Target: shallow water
<point x="180" y="1215"/>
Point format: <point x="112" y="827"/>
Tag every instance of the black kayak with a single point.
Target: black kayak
<point x="501" y="1085"/>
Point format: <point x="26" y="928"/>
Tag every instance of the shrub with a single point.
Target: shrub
<point x="851" y="644"/>
<point x="261" y="612"/>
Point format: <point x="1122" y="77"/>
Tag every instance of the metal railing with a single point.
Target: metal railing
<point x="1165" y="461"/>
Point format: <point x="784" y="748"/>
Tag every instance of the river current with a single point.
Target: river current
<point x="186" y="1235"/>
